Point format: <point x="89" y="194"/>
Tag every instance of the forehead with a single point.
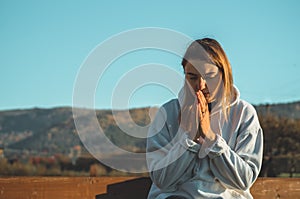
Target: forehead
<point x="199" y="67"/>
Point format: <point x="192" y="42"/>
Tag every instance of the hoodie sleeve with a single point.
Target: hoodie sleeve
<point x="239" y="167"/>
<point x="170" y="158"/>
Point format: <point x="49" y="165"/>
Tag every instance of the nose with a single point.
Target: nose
<point x="200" y="85"/>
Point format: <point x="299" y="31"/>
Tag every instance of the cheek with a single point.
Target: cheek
<point x="191" y="83"/>
<point x="213" y="85"/>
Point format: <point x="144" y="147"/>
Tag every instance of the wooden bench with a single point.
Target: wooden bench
<point x="263" y="188"/>
<point x="121" y="188"/>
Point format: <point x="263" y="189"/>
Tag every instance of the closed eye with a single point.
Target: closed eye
<point x="193" y="78"/>
<point x="211" y="75"/>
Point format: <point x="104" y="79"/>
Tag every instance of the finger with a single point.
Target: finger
<point x="203" y="107"/>
<point x="198" y="96"/>
<point x="201" y="96"/>
<point x="202" y="101"/>
<point x="200" y="111"/>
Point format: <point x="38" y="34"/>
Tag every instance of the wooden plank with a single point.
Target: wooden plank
<point x="276" y="188"/>
<point x="89" y="187"/>
<point x="55" y="187"/>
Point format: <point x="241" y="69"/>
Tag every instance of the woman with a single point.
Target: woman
<point x="208" y="143"/>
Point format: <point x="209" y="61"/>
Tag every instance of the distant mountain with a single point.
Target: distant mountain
<point x="283" y="110"/>
<point x="53" y="130"/>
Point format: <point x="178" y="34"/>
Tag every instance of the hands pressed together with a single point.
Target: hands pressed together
<point x="204" y="130"/>
<point x="195" y="117"/>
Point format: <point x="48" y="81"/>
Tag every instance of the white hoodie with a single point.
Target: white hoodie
<point x="230" y="167"/>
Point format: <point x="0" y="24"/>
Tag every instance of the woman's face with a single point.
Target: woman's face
<point x="205" y="77"/>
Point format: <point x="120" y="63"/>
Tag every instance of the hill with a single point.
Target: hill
<point x="53" y="130"/>
<point x="46" y="132"/>
<point x="283" y="110"/>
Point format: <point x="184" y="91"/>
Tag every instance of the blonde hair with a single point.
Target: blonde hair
<point x="210" y="50"/>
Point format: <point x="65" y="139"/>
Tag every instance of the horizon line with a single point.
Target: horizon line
<point x="123" y="109"/>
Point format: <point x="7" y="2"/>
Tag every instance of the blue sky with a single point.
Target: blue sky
<point x="44" y="43"/>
